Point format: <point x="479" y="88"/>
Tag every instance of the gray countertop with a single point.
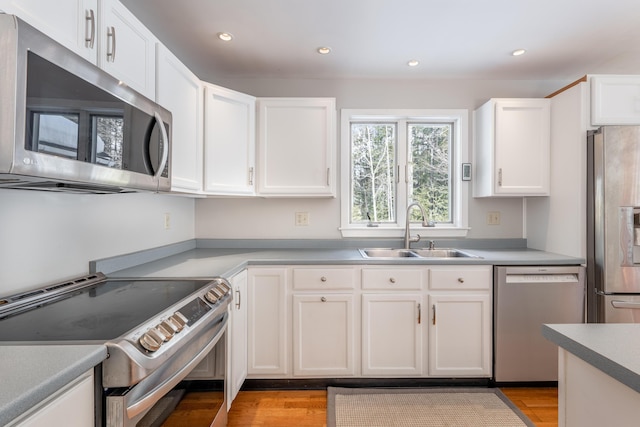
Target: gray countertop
<point x="31" y="373"/>
<point x="612" y="348"/>
<point x="206" y="262"/>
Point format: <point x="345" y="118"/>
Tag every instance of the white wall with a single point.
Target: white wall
<point x="274" y="218"/>
<point x="49" y="237"/>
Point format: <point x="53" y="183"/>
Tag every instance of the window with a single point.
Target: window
<point x="395" y="158"/>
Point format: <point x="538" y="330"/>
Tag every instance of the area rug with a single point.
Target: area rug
<point x="422" y="407"/>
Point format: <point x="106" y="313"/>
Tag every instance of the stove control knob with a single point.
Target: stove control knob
<point x="167" y="328"/>
<point x="152" y="340"/>
<point x="211" y="297"/>
<point x="179" y="319"/>
<point x="218" y="292"/>
<point x="222" y="288"/>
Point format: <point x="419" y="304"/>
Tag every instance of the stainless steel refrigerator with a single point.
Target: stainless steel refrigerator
<point x="613" y="224"/>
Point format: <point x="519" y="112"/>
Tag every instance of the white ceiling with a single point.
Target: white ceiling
<point x="466" y="39"/>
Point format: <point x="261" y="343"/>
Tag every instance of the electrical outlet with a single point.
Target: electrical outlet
<point x="167" y="220"/>
<point x="493" y="218"/>
<point x="302" y="218"/>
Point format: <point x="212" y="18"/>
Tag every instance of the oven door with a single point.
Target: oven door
<point x="161" y="398"/>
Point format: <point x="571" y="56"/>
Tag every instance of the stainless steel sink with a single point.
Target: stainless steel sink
<point x="443" y="253"/>
<point x="387" y="253"/>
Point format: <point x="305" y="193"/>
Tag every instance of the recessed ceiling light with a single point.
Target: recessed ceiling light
<point x="413" y="63"/>
<point x="518" y="52"/>
<point x="324" y="50"/>
<point x="225" y="37"/>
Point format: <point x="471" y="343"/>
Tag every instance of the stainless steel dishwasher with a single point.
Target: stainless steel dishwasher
<point x="524" y="299"/>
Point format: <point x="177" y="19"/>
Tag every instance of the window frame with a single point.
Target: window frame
<point x="460" y="154"/>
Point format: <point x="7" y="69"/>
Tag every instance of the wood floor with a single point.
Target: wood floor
<point x="308" y="408"/>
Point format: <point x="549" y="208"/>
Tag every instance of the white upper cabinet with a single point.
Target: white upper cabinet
<point x="102" y="31"/>
<point x="296" y="147"/>
<point x="229" y="147"/>
<point x="615" y="100"/>
<point x="127" y="48"/>
<point x="511" y="148"/>
<point x="72" y="23"/>
<point x="180" y="91"/>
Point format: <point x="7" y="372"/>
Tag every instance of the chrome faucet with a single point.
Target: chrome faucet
<point x="407" y="231"/>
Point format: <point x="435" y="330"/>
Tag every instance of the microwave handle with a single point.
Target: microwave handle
<point x="165" y="146"/>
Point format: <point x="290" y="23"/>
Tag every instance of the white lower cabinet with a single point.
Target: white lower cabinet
<point x="238" y="335"/>
<point x="460" y="313"/>
<point x="323" y="335"/>
<point x="71" y="406"/>
<point x="391" y="335"/>
<point x="370" y="321"/>
<point x="459" y="335"/>
<point x="268" y="338"/>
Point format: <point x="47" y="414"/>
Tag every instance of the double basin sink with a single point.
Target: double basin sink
<point x="385" y="253"/>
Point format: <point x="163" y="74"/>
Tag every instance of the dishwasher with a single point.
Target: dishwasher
<point x="525" y="298"/>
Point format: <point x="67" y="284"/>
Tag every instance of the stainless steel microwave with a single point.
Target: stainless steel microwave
<point x="66" y="125"/>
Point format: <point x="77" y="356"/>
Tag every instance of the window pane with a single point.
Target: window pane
<point x="54" y="133"/>
<point x="430" y="157"/>
<point x="108" y="140"/>
<point x="373" y="188"/>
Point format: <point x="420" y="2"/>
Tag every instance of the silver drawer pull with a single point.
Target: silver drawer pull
<point x="392" y="280"/>
<point x="323" y="299"/>
<point x="460" y="280"/>
<point x="323" y="279"/>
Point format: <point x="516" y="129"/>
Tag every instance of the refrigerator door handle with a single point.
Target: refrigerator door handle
<point x="625" y="304"/>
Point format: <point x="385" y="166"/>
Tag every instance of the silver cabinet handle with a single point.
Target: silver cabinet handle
<point x="434" y="314"/>
<point x="460" y="280"/>
<point x="419" y="313"/>
<point x="251" y="176"/>
<point x="90" y="28"/>
<point x="323" y="299"/>
<point x="625" y="304"/>
<point x="500" y="177"/>
<point x="392" y="280"/>
<point x="111" y="35"/>
<point x="238" y="304"/>
<point x="323" y="279"/>
<point x="328" y="177"/>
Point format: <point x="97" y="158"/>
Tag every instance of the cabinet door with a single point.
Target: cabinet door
<point x="460" y="335"/>
<point x="296" y="147"/>
<point x="391" y="335"/>
<point x="615" y="100"/>
<point x="323" y="335"/>
<point x="229" y="147"/>
<point x="127" y="48"/>
<point x="268" y="343"/>
<point x="238" y="335"/>
<point x="72" y="23"/>
<point x="512" y="139"/>
<point x="522" y="139"/>
<point x="180" y="91"/>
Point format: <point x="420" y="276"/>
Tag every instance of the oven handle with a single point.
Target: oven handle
<point x="154" y="395"/>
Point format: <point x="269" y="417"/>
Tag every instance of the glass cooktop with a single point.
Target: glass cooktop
<point x="101" y="312"/>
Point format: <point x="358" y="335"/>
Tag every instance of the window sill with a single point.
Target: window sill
<point x="424" y="232"/>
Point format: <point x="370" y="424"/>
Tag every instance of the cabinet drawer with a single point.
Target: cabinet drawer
<point x="448" y="278"/>
<point x="324" y="278"/>
<point x="393" y="278"/>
